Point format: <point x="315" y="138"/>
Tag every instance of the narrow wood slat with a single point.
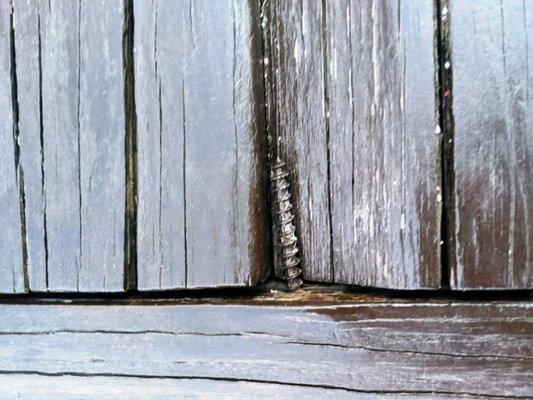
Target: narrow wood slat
<point x="129" y="388"/>
<point x="28" y="57"/>
<point x="11" y="258"/>
<point x="201" y="187"/>
<point x="300" y="123"/>
<point x="354" y="97"/>
<point x="31" y="387"/>
<point x="384" y="148"/>
<point x="375" y="348"/>
<point x="161" y="45"/>
<point x="492" y="83"/>
<point x="72" y="142"/>
<point x="101" y="134"/>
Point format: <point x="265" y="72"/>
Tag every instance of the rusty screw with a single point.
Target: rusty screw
<point x="288" y="242"/>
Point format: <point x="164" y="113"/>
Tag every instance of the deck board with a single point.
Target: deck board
<point x="201" y="176"/>
<point x="71" y="130"/>
<point x="336" y="350"/>
<point x="351" y="99"/>
<point x="493" y="142"/>
<point x="11" y="251"/>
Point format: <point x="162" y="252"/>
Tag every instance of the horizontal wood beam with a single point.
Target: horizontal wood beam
<point x="256" y="348"/>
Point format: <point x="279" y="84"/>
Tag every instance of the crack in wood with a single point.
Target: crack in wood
<point x="238" y="379"/>
<point x="130" y="231"/>
<point x="16" y="146"/>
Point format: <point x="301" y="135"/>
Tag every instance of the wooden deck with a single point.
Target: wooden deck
<point x="312" y="346"/>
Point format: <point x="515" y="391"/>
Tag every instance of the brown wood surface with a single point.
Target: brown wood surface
<point x="352" y="101"/>
<point x="491" y="44"/>
<point x="343" y="347"/>
<point x="201" y="160"/>
<point x="297" y="109"/>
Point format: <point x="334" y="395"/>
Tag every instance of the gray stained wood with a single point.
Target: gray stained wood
<point x="353" y="99"/>
<point x="133" y="388"/>
<point x="69" y="65"/>
<point x="26" y="28"/>
<point x="11" y="252"/>
<point x="342" y="350"/>
<point x="491" y="44"/>
<point x="202" y="215"/>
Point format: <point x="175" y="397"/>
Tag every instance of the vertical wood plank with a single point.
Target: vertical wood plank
<point x="384" y="148"/>
<point x="27" y="26"/>
<point x="101" y="145"/>
<point x="162" y="39"/>
<point x="11" y="259"/>
<point x="340" y="81"/>
<point x="300" y="125"/>
<point x="60" y="99"/>
<point x="72" y="142"/>
<point x="219" y="142"/>
<point x="491" y="42"/>
<point x="201" y="190"/>
<point x="355" y="105"/>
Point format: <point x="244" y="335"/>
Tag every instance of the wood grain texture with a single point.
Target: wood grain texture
<point x="299" y="123"/>
<point x="201" y="190"/>
<point x="72" y="142"/>
<point x="11" y="252"/>
<point x="31" y="387"/>
<point x="491" y="45"/>
<point x="354" y="99"/>
<point x="160" y="52"/>
<point x="26" y="26"/>
<point x="101" y="144"/>
<point x="384" y="150"/>
<point x="372" y="349"/>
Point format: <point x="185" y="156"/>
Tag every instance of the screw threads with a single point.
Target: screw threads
<point x="288" y="242"/>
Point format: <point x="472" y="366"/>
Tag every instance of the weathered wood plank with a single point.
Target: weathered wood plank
<point x="72" y="142"/>
<point x="354" y="94"/>
<point x="384" y="151"/>
<point x="478" y="349"/>
<point x="300" y="123"/>
<point x="60" y="76"/>
<point x="161" y="47"/>
<point x="31" y="387"/>
<point x="28" y="57"/>
<point x="101" y="146"/>
<point x="201" y="189"/>
<point x="493" y="143"/>
<point x="11" y="258"/>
